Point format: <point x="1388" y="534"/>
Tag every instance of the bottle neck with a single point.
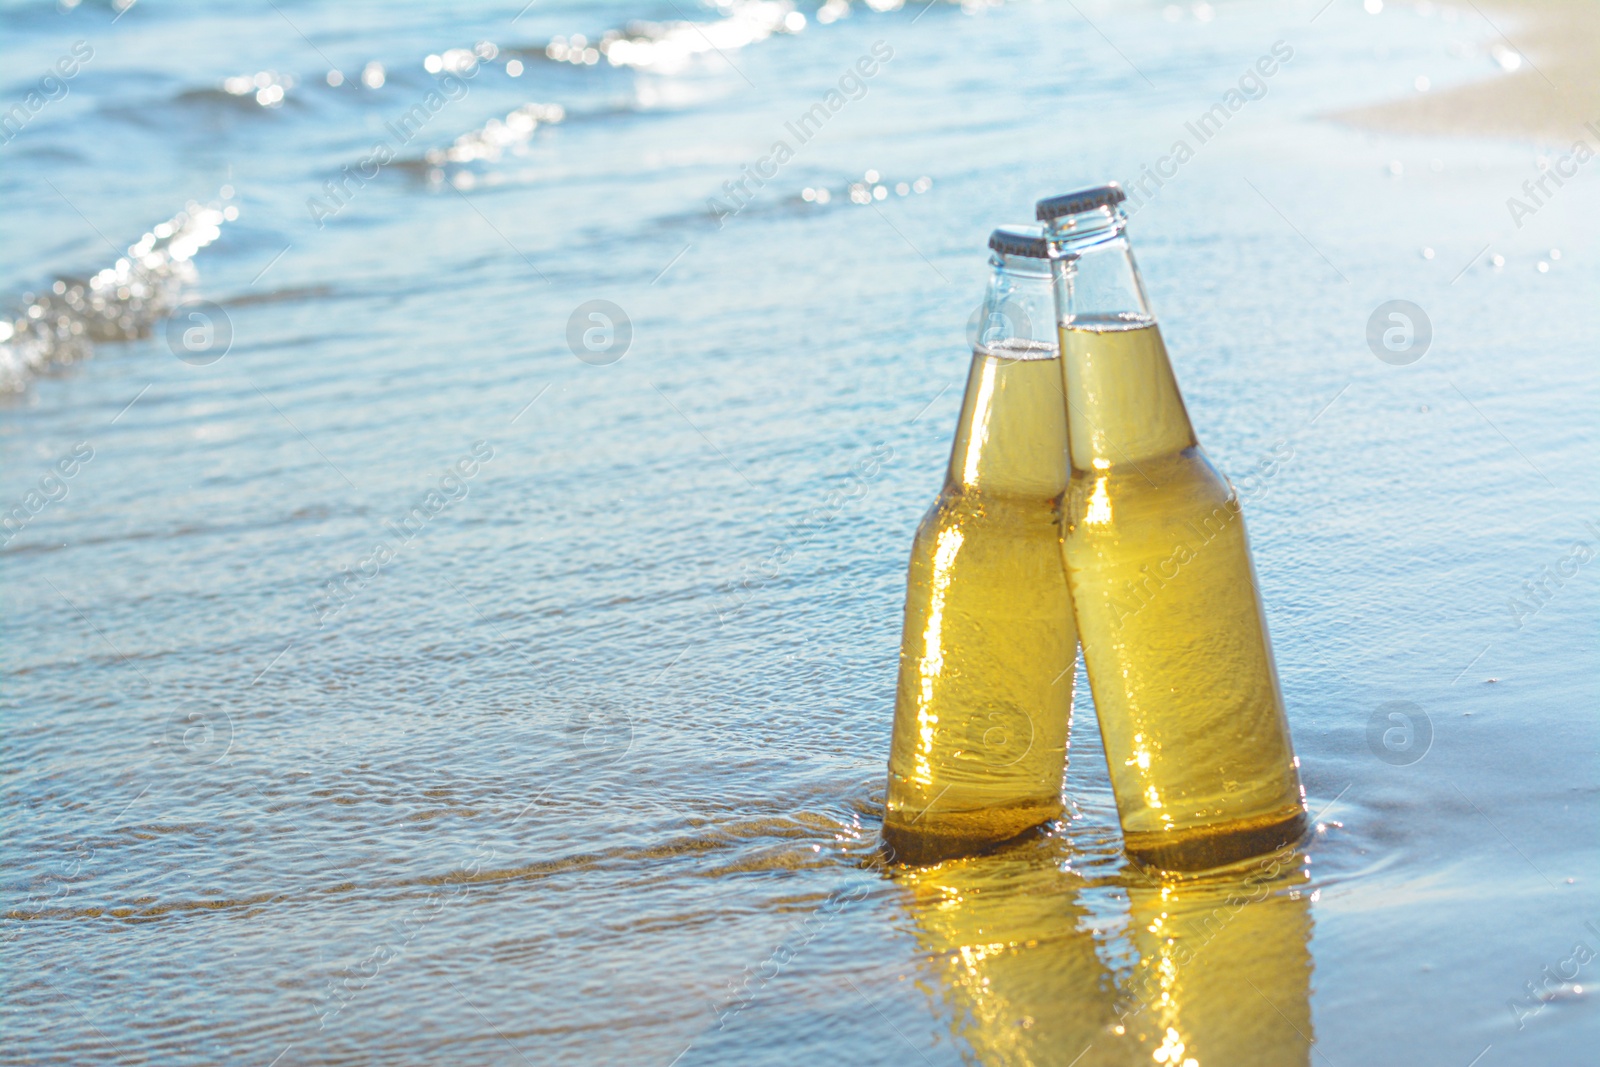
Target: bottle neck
<point x="1123" y="401"/>
<point x="1095" y="275"/>
<point x="1012" y="437"/>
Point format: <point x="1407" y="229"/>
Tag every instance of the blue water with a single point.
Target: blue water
<point x="592" y="721"/>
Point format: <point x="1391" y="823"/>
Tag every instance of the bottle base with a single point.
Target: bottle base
<point x="1206" y="848"/>
<point x="954" y="835"/>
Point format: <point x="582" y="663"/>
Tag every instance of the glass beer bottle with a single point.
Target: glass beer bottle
<point x="1174" y="639"/>
<point x="988" y="649"/>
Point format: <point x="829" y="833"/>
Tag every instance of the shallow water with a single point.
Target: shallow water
<point x="587" y="767"/>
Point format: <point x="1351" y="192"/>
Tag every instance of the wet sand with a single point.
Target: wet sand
<point x="1555" y="91"/>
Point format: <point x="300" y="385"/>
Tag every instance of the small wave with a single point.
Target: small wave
<point x="120" y="303"/>
<point x="465" y="60"/>
<point x="486" y="144"/>
<point x="674" y="46"/>
<point x="871" y="189"/>
<point x="735" y="842"/>
<point x="292" y="294"/>
<point x="266" y="87"/>
<point x="657" y="47"/>
<point x="872" y="186"/>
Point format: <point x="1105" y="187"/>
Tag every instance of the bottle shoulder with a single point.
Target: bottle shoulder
<point x="1151" y="491"/>
<point x="959" y="506"/>
<point x="1189" y="469"/>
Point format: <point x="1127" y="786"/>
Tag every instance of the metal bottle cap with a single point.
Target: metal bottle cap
<point x="1020" y="240"/>
<point x="1056" y="207"/>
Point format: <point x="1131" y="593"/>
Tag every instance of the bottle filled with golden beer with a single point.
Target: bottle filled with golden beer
<point x="987" y="654"/>
<point x="1174" y="638"/>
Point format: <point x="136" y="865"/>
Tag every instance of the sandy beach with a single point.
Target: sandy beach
<point x="1552" y="93"/>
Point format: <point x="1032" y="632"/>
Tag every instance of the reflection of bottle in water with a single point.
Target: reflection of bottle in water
<point x="1220" y="973"/>
<point x="1016" y="962"/>
<point x="1175" y="641"/>
<point x="1224" y="969"/>
<point x="987" y="654"/>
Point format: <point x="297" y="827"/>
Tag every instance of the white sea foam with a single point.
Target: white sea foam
<point x="667" y="47"/>
<point x="119" y="303"/>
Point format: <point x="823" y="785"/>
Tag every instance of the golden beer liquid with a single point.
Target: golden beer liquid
<point x="984" y="699"/>
<point x="1175" y="642"/>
